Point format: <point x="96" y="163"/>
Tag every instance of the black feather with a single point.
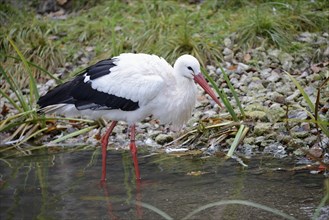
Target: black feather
<point x="83" y="96"/>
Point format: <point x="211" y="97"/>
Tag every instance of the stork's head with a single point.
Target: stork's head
<point x="189" y="67"/>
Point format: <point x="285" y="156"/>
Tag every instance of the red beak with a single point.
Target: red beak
<point x="203" y="83"/>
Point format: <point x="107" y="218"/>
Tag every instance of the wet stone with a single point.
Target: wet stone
<point x="276" y="149"/>
<point x="163" y="139"/>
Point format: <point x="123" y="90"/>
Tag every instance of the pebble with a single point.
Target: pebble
<point x="276" y="149"/>
<point x="163" y="139"/>
<point x="262" y="128"/>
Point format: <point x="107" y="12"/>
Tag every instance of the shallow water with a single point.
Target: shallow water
<point x="66" y="186"/>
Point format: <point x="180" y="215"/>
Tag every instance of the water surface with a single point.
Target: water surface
<point x="66" y="186"/>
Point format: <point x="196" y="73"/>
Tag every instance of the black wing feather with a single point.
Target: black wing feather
<point x="83" y="96"/>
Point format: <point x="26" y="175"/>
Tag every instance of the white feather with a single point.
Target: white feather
<point x="138" y="78"/>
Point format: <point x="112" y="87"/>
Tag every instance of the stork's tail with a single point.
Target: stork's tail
<point x="57" y="99"/>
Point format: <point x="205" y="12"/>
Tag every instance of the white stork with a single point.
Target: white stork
<point x="130" y="87"/>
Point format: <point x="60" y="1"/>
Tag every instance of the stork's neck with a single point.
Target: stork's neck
<point x="180" y="101"/>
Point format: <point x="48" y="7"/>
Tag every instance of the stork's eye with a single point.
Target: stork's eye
<point x="190" y="68"/>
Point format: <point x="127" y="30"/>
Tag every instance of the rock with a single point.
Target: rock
<point x="284" y="88"/>
<point x="275" y="113"/>
<point x="311" y="140"/>
<point x="276" y="97"/>
<point x="298" y="114"/>
<point x="229" y="57"/>
<point x="163" y="139"/>
<point x="316" y="151"/>
<point x="257" y="115"/>
<point x="227" y="51"/>
<point x="296" y="143"/>
<point x="274" y="53"/>
<point x="326" y="52"/>
<point x="293" y="96"/>
<point x="249" y="149"/>
<point x="259" y="139"/>
<point x="256" y="85"/>
<point x="286" y="60"/>
<point x="242" y="67"/>
<point x="300" y="134"/>
<point x="256" y="107"/>
<point x="276" y="149"/>
<point x="228" y="43"/>
<point x="265" y="73"/>
<point x="274" y="77"/>
<point x="280" y="127"/>
<point x="262" y="128"/>
<point x="299" y="152"/>
<point x="249" y="140"/>
<point x="306" y="37"/>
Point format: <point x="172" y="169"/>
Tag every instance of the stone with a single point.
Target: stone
<point x="293" y="96"/>
<point x="298" y="114"/>
<point x="276" y="149"/>
<point x="265" y="73"/>
<point x="300" y="134"/>
<point x="316" y="151"/>
<point x="163" y="139"/>
<point x="257" y="115"/>
<point x="276" y="97"/>
<point x="286" y="60"/>
<point x="256" y="85"/>
<point x="249" y="140"/>
<point x="228" y="43"/>
<point x="255" y="107"/>
<point x="275" y="113"/>
<point x="274" y="77"/>
<point x="227" y="51"/>
<point x="262" y="128"/>
<point x="242" y="67"/>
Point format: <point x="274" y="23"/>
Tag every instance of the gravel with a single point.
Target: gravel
<point x="265" y="91"/>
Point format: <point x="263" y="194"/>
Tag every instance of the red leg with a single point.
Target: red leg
<point x="133" y="151"/>
<point x="104" y="141"/>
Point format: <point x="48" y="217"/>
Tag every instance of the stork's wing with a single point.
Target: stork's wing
<point x="125" y="82"/>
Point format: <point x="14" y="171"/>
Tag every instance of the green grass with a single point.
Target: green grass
<point x="166" y="28"/>
<point x="23" y="122"/>
<point x="313" y="108"/>
<point x="277" y="22"/>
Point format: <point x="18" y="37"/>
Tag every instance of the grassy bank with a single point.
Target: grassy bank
<point x="166" y="28"/>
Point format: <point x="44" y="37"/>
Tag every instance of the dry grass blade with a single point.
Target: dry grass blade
<point x="184" y="139"/>
<point x="73" y="134"/>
